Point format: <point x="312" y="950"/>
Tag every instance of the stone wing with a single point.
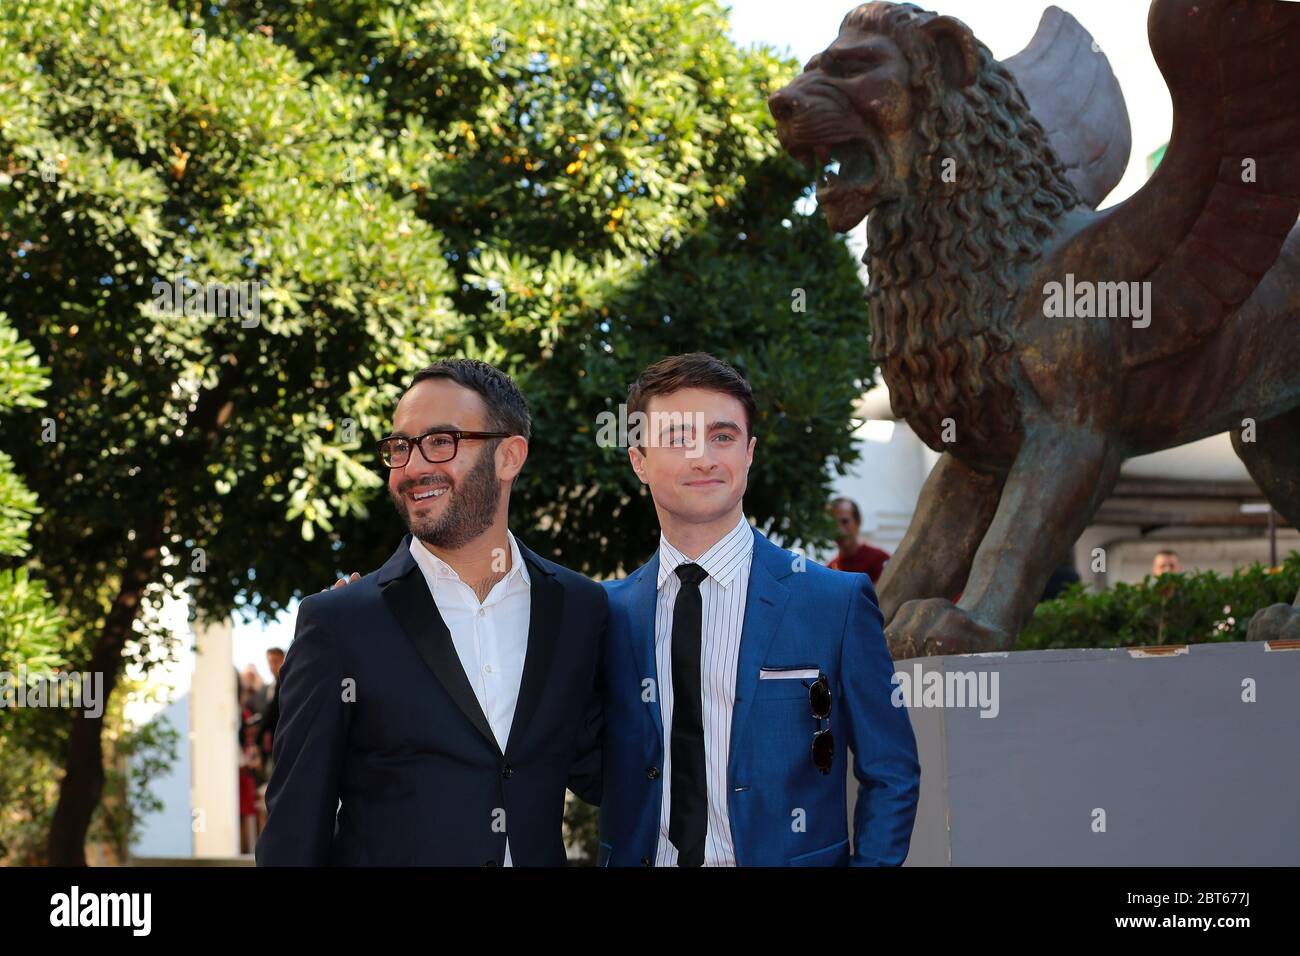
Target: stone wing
<point x="1213" y="218"/>
<point x="1072" y="92"/>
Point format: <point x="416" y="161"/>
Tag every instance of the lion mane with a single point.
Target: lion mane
<point x="942" y="261"/>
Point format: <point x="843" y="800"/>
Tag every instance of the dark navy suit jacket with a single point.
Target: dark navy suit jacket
<point x="383" y="755"/>
<point x="783" y="810"/>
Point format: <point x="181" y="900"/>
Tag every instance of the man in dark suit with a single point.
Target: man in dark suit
<point x="433" y="712"/>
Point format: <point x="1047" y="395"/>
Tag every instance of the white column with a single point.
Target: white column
<point x="214" y="743"/>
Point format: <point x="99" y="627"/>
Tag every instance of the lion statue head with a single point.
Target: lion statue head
<point x="960" y="187"/>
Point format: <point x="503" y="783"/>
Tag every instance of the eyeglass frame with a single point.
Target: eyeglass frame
<point x="418" y="442"/>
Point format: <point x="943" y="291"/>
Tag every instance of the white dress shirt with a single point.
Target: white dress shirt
<point x="491" y="636"/>
<point x="722" y="594"/>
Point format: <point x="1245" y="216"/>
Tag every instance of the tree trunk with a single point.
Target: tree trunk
<point x="83" y="782"/>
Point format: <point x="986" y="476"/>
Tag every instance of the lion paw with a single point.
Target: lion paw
<point x="1278" y="622"/>
<point x="934" y="627"/>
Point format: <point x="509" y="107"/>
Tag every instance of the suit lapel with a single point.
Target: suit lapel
<point x="641" y="624"/>
<point x="546" y="604"/>
<point x="407" y="595"/>
<point x="765" y="603"/>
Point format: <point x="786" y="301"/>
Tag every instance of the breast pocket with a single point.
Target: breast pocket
<point x="779" y="683"/>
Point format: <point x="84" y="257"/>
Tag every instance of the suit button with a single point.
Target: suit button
<point x="652" y="773"/>
<point x="508" y="771"/>
<point x="490" y="863"/>
<point x="645" y="861"/>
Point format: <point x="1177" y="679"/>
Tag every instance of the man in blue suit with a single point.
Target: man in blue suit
<point x="736" y="674"/>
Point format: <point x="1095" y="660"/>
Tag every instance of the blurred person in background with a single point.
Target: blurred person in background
<point x="854" y="554"/>
<point x="271" y="706"/>
<point x="1166" y="562"/>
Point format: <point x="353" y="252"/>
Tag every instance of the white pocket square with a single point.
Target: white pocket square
<point x="772" y="673"/>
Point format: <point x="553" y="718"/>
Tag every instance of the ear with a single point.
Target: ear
<point x="637" y="457"/>
<point x="958" y="56"/>
<point x="511" y="455"/>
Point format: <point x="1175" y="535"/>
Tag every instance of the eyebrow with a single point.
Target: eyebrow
<point x="723" y="425"/>
<point x="431" y="428"/>
<point x="860" y="50"/>
<point x="852" y="51"/>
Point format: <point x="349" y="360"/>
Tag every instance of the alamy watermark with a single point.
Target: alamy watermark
<point x="1098" y="300"/>
<point x="79" y="691"/>
<point x="651" y="430"/>
<point x="935" y="688"/>
<point x="182" y="296"/>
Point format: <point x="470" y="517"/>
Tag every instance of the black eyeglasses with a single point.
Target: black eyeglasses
<point x="436" y="447"/>
<point x="823" y="748"/>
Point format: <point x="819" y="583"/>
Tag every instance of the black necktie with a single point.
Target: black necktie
<point x="688" y="816"/>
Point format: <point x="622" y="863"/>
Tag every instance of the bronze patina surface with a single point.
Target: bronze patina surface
<point x="1032" y="340"/>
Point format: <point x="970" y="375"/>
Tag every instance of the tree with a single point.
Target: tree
<point x="141" y="156"/>
<point x="611" y="191"/>
<point x="30" y="629"/>
<point x="568" y="191"/>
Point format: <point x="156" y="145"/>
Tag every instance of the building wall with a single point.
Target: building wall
<point x="887" y="480"/>
<point x="200" y="793"/>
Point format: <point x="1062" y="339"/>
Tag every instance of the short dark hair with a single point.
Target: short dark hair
<point x="506" y="405"/>
<point x="692" y="370"/>
<point x="857" y="515"/>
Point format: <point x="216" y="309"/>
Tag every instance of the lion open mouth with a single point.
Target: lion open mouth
<point x="846" y="174"/>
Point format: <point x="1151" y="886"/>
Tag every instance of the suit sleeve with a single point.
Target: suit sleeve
<point x="586" y="777"/>
<point x="302" y="798"/>
<point x="880" y="736"/>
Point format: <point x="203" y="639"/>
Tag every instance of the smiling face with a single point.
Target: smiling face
<point x="694" y="483"/>
<point x="449" y="504"/>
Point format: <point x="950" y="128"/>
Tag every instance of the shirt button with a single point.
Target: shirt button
<point x="652" y="773"/>
<point x="482" y="611"/>
<point x="487" y="668"/>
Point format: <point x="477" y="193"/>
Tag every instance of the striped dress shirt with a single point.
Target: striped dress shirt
<point x="722" y="594"/>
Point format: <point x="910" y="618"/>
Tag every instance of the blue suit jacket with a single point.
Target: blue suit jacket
<point x="783" y="811"/>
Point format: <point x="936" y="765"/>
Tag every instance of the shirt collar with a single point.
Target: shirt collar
<point x="721" y="562"/>
<point x="437" y="569"/>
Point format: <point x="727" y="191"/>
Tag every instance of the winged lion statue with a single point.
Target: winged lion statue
<point x="1033" y="340"/>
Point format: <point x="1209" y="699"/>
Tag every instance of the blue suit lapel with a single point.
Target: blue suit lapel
<point x="764" y="608"/>
<point x="641" y="623"/>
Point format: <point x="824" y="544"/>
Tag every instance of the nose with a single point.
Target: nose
<point x="703" y="459"/>
<point x="416" y="468"/>
<point x="784" y="104"/>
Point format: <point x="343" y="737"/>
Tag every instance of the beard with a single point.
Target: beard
<point x="471" y="506"/>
